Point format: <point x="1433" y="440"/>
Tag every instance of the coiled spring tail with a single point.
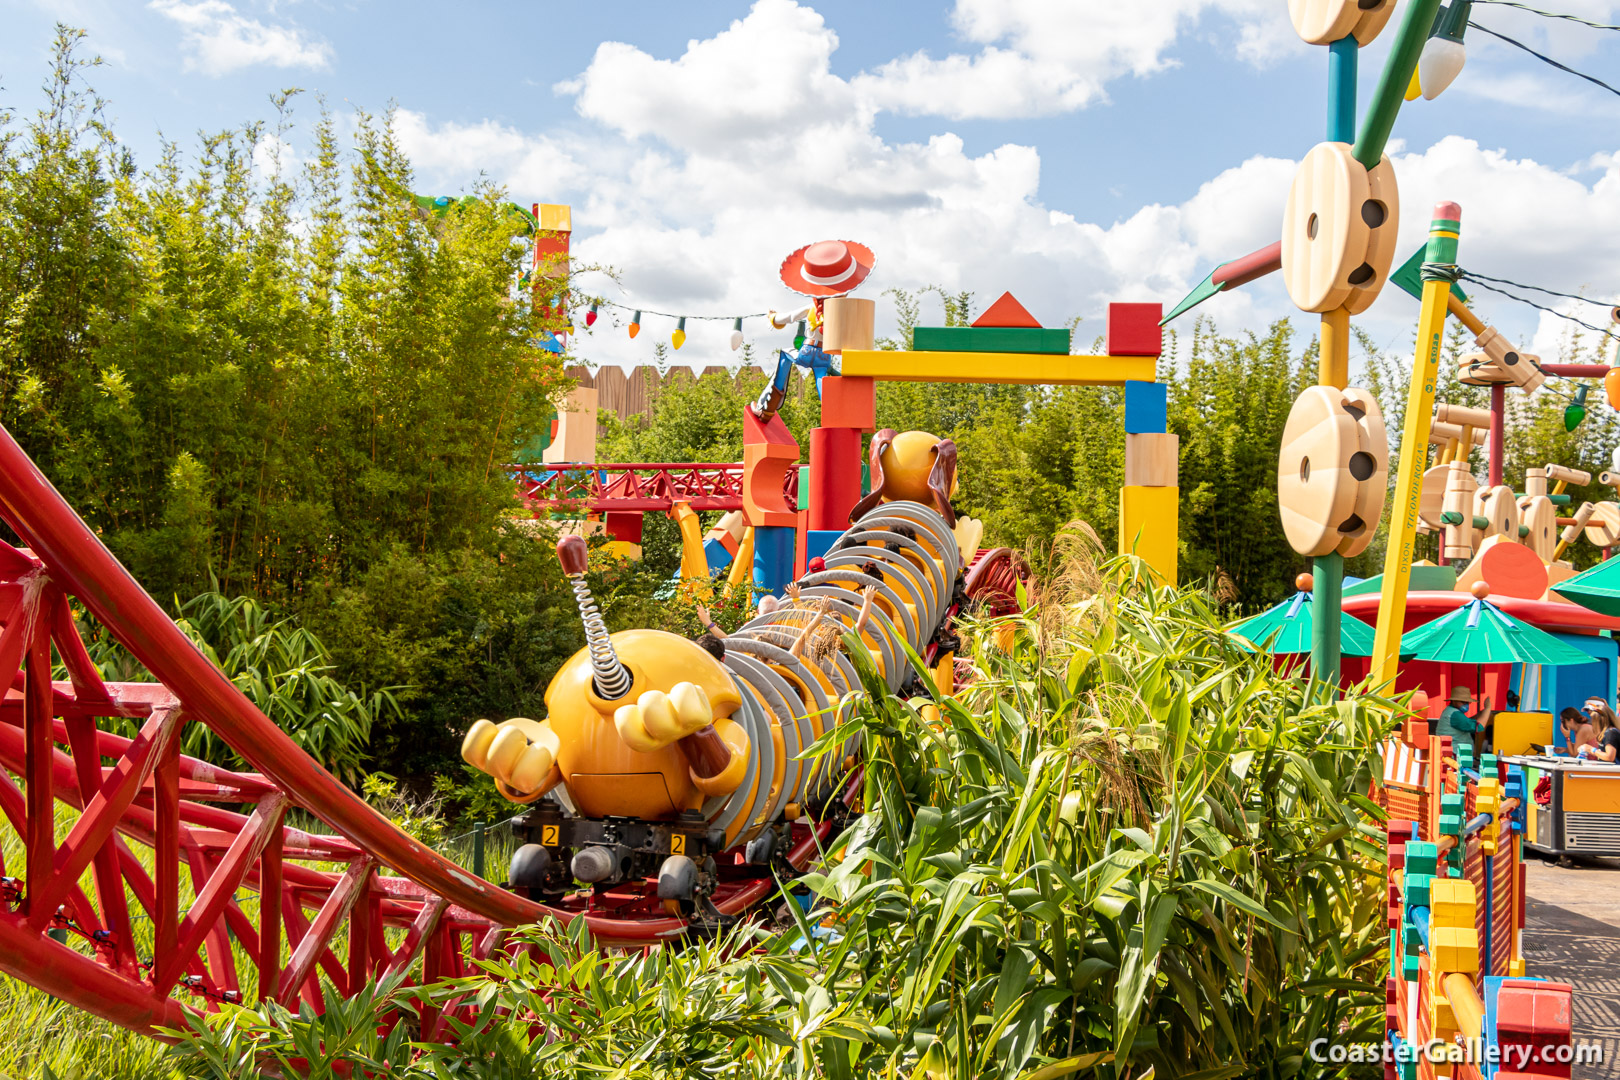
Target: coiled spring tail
<point x="611" y="678"/>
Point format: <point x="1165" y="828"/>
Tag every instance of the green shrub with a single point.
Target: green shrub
<point x="283" y="669"/>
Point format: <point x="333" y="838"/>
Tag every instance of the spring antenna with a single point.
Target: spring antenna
<point x="609" y="677"/>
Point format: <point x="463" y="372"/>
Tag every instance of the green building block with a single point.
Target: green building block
<point x="1409" y="968"/>
<point x="1487" y="766"/>
<point x="1464" y="754"/>
<point x="1417" y="891"/>
<point x="1421" y="858"/>
<point x="990" y="339"/>
<point x="1414" y="940"/>
<point x="1451" y="815"/>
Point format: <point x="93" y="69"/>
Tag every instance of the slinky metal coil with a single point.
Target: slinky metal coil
<point x="789" y="702"/>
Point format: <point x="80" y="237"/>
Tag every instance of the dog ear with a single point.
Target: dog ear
<point x="942" y="479"/>
<point x="880" y="443"/>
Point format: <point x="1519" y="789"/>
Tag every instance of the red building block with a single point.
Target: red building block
<point x="1133" y="330"/>
<point x="849" y="401"/>
<point x="1532" y="1016"/>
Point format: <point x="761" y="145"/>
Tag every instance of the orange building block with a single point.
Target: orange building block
<point x="849" y="401"/>
<point x="769" y="452"/>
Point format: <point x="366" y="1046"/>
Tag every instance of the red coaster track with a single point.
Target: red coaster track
<point x="140" y="813"/>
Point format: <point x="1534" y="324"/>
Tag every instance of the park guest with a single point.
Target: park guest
<point x="1454" y="721"/>
<point x="1607" y="746"/>
<point x="712" y="640"/>
<point x="1578" y="730"/>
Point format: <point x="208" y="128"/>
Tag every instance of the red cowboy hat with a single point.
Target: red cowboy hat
<point x="828" y="268"/>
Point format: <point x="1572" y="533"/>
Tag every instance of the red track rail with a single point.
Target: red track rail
<point x="635" y="487"/>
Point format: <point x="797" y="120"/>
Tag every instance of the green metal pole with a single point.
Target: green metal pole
<point x="1393" y="81"/>
<point x="1327" y="601"/>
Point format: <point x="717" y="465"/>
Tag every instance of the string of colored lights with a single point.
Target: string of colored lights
<point x="672" y="315"/>
<point x="1544" y="58"/>
<point x="678" y="338"/>
<point x="1606" y="331"/>
<point x="1551" y="14"/>
<point x="1471" y="275"/>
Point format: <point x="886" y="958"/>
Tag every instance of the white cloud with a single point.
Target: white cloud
<point x="1050" y="56"/>
<point x="219" y="40"/>
<point x="702" y="172"/>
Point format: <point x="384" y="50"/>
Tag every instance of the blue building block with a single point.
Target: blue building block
<point x="817" y="542"/>
<point x="717" y="555"/>
<point x="1147" y="408"/>
<point x="1514" y="788"/>
<point x="773" y="557"/>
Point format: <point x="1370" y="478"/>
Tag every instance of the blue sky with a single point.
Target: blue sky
<point x="1074" y="151"/>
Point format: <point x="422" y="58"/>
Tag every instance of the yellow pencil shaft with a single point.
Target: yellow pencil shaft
<point x="1409" y="483"/>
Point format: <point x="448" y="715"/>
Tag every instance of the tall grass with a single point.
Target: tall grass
<point x="1127" y="846"/>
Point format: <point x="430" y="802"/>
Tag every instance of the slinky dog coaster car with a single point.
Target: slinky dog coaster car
<point x="667" y="782"/>
<point x="911" y="466"/>
<point x="1331" y="473"/>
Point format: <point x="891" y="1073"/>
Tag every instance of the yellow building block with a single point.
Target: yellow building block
<point x="1027" y="368"/>
<point x="1454" y="948"/>
<point x="1451" y="902"/>
<point x="1488" y="800"/>
<point x="1148" y="524"/>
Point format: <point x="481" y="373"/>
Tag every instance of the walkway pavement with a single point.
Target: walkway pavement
<point x="1572" y="934"/>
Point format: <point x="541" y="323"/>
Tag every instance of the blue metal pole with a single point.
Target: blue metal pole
<point x="1341" y="120"/>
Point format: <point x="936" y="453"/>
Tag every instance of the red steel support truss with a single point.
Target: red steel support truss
<point x="633" y="487"/>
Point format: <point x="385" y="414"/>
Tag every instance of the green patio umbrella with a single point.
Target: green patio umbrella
<point x="1479" y="632"/>
<point x="1597" y="588"/>
<point x="1286" y="628"/>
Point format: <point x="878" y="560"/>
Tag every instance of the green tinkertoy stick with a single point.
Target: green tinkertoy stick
<point x="1393" y="81"/>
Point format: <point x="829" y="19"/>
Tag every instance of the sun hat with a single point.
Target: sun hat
<point x="827" y="268"/>
<point x="1462" y="693"/>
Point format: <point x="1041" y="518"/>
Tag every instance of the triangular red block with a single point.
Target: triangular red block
<point x="1007" y="312"/>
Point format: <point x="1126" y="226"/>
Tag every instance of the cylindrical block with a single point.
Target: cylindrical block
<point x="835" y="476"/>
<point x="1463" y="415"/>
<point x="1579" y="477"/>
<point x="848" y="323"/>
<point x="773" y="557"/>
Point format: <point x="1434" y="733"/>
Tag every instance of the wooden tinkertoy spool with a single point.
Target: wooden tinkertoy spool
<point x="1331" y="478"/>
<point x="1538" y="512"/>
<point x="1338" y="236"/>
<point x="1322" y="22"/>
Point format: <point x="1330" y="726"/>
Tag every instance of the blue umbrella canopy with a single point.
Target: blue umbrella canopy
<point x="1286" y="628"/>
<point x="1479" y="632"/>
